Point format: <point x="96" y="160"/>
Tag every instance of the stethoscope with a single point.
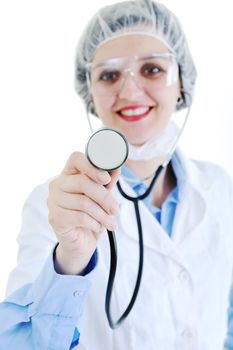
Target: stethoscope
<point x="108" y="149"/>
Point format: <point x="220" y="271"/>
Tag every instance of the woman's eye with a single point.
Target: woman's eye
<point x="151" y="70"/>
<point x="110" y="76"/>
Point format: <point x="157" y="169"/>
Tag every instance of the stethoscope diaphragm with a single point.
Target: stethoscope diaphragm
<point x="107" y="149"/>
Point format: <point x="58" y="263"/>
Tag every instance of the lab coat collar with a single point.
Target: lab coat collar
<point x="192" y="174"/>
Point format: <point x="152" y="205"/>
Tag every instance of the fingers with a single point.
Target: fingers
<point x="114" y="178"/>
<point x="78" y="163"/>
<point x="89" y="210"/>
<point x="73" y="219"/>
<point x="82" y="184"/>
<point x="80" y="205"/>
<point x="80" y="200"/>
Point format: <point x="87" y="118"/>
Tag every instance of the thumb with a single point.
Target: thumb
<point x="115" y="174"/>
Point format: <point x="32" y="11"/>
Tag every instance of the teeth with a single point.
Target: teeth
<point x="136" y="111"/>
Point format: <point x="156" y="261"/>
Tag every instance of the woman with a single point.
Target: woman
<point x="134" y="71"/>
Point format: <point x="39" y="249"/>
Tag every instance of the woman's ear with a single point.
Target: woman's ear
<point x="181" y="95"/>
<point x="180" y="101"/>
<point x="91" y="108"/>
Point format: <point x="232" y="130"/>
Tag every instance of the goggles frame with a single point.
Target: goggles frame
<point x="127" y="65"/>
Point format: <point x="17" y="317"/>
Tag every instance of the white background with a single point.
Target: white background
<point x="42" y="119"/>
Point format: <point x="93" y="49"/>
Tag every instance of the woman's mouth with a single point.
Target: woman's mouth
<point x="134" y="113"/>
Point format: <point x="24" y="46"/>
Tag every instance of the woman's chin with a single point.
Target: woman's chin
<point x="140" y="140"/>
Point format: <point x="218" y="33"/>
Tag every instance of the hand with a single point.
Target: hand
<point x="80" y="205"/>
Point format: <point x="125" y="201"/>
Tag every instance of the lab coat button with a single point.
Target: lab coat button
<point x="187" y="334"/>
<point x="183" y="276"/>
<point x="77" y="293"/>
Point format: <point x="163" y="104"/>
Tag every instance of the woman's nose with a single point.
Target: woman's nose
<point x="130" y="87"/>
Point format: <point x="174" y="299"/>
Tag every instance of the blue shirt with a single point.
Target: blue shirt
<point x="45" y="314"/>
<point x="165" y="215"/>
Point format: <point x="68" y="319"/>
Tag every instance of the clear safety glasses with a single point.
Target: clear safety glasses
<point x="149" y="72"/>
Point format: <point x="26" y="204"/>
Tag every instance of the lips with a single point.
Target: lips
<point x="134" y="113"/>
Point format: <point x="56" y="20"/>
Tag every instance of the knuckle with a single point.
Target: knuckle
<point x="71" y="183"/>
<point x="65" y="183"/>
<point x="55" y="186"/>
<point x="85" y="221"/>
<point x="75" y="157"/>
<point x="76" y="184"/>
<point x="80" y="180"/>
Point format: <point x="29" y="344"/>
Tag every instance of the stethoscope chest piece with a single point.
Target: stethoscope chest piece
<point x="107" y="149"/>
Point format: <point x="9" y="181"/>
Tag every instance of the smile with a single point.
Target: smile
<point x="134" y="113"/>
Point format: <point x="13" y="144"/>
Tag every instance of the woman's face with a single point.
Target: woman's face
<point x="139" y="108"/>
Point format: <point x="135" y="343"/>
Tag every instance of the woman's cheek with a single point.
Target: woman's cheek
<point x="104" y="106"/>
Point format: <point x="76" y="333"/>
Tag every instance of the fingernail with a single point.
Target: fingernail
<point x="104" y="177"/>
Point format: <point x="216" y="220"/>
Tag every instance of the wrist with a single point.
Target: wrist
<point x="66" y="263"/>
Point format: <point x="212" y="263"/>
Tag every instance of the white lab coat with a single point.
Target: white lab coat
<point x="183" y="299"/>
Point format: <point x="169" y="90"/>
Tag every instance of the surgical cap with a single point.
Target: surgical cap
<point x="129" y="17"/>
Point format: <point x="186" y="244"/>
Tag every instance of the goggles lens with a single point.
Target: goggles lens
<point x="150" y="72"/>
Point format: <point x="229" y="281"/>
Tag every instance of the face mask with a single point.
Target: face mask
<point x="157" y="146"/>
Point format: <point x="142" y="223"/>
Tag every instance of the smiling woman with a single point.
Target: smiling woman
<point x="135" y="99"/>
<point x="134" y="72"/>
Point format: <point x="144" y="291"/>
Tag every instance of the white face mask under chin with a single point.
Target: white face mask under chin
<point x="157" y="146"/>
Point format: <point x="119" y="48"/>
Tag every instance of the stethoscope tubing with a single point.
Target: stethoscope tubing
<point x="113" y="255"/>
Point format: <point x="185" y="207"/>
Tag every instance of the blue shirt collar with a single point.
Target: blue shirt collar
<point x="178" y="171"/>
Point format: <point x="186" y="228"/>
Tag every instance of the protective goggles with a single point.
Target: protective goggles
<point x="149" y="72"/>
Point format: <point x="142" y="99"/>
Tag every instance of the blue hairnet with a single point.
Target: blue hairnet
<point x="133" y="16"/>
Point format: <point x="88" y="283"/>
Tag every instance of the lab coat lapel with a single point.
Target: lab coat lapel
<point x="187" y="222"/>
<point x="154" y="235"/>
<point x="194" y="229"/>
<point x="190" y="214"/>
